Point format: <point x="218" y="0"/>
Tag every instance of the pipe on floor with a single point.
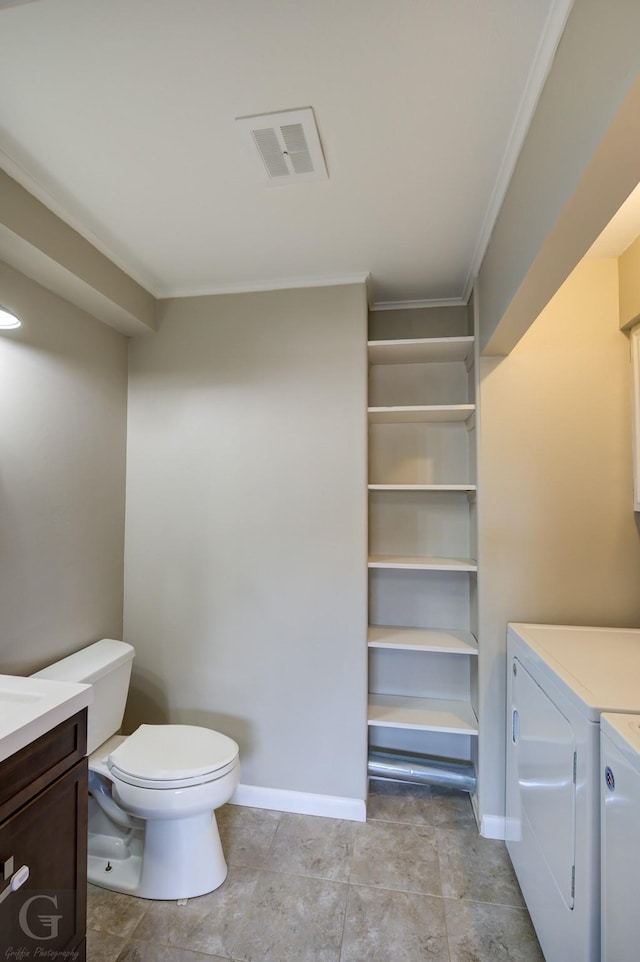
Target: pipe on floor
<point x="421" y="769"/>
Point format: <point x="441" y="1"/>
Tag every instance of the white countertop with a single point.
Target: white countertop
<point x="30" y="707"/>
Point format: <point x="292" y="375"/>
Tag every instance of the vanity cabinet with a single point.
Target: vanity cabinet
<point x="43" y="826"/>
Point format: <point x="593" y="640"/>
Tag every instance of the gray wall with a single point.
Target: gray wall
<point x="245" y="570"/>
<point x="63" y="396"/>
<point x="551" y="200"/>
<point x="559" y="540"/>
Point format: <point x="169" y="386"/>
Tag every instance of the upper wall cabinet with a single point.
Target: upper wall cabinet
<point x="422" y="543"/>
<point x="635" y="383"/>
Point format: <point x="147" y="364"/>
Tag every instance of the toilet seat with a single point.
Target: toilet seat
<point x="172" y="756"/>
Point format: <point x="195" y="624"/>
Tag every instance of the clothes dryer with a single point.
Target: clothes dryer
<point x="560" y="680"/>
<point x="620" y="836"/>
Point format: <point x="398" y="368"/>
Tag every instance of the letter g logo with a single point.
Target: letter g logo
<point x="48" y="923"/>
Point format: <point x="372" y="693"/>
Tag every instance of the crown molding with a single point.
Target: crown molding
<point x="542" y="62"/>
<point x="275" y="284"/>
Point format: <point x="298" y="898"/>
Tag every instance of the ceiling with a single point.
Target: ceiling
<point x="119" y="116"/>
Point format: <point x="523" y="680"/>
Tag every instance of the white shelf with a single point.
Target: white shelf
<point x="422" y="714"/>
<point x="441" y="640"/>
<point x="409" y="562"/>
<point x="420" y="350"/>
<point x="420" y="413"/>
<point x="422" y="487"/>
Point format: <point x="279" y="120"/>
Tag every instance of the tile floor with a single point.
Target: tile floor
<point x="414" y="883"/>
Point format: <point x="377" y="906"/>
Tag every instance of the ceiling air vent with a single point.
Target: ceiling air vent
<point x="288" y="145"/>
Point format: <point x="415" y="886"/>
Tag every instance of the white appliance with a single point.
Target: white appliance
<point x="560" y="680"/>
<point x="620" y="830"/>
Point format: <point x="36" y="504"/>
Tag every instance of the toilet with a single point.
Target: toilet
<point x="152" y="827"/>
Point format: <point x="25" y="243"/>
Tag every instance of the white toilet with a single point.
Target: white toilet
<point x="152" y="828"/>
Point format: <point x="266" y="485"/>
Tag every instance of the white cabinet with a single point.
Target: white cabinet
<point x="422" y="566"/>
<point x="635" y="386"/>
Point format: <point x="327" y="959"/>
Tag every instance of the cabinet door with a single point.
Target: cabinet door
<point x="47" y="915"/>
<point x="635" y="362"/>
<point x="543" y="753"/>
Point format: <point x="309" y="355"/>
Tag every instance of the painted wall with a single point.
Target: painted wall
<point x="579" y="162"/>
<point x="63" y="396"/>
<point x="245" y="570"/>
<point x="559" y="540"/>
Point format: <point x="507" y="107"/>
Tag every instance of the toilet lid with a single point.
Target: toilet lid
<point x="172" y="753"/>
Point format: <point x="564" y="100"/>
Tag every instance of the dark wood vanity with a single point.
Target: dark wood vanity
<point x="43" y="826"/>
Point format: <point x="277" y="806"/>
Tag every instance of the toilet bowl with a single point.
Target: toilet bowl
<point x="166" y="780"/>
<point x="152" y="827"/>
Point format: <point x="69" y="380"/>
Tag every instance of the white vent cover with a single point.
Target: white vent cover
<point x="288" y="146"/>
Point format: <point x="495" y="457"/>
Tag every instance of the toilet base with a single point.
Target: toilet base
<point x="165" y="859"/>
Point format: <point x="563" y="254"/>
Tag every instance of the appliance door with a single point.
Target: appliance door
<point x="620" y="798"/>
<point x="544" y="753"/>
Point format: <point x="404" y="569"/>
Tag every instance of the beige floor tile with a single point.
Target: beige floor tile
<point x="169" y="923"/>
<point x="148" y="952"/>
<point x="317" y="847"/>
<point x="398" y="802"/>
<point x="293" y="919"/>
<point x="394" y="856"/>
<point x="246" y="834"/>
<point x="228" y="909"/>
<point x="103" y="947"/>
<point x="452" y="809"/>
<point x="287" y="897"/>
<point x="381" y="926"/>
<point x="476" y="868"/>
<point x="490" y="933"/>
<point x="112" y="912"/>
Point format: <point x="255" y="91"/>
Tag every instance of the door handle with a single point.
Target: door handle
<point x="16" y="881"/>
<point x="515" y="725"/>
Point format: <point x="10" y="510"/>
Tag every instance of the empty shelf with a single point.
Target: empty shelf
<point x="410" y="562"/>
<point x="425" y="714"/>
<point x="447" y="641"/>
<point x="422" y="487"/>
<point x="420" y="350"/>
<point x="420" y="412"/>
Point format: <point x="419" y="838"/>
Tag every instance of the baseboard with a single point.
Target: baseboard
<point x="300" y="803"/>
<point x="493" y="826"/>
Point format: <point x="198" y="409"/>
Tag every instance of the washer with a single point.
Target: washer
<point x="560" y="680"/>
<point x="620" y="831"/>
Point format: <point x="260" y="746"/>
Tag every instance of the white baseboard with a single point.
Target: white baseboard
<point x="300" y="803"/>
<point x="493" y="826"/>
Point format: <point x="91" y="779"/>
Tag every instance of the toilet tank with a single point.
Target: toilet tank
<point x="106" y="665"/>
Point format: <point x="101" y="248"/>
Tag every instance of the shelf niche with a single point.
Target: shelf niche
<point x="422" y="568"/>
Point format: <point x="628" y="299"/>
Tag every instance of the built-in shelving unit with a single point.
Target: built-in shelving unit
<point x="422" y="570"/>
